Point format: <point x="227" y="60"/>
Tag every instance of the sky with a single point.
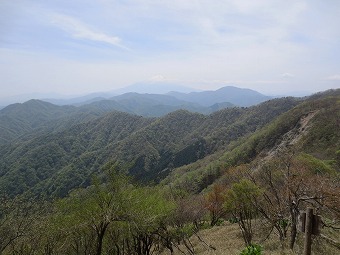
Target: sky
<point x="74" y="47"/>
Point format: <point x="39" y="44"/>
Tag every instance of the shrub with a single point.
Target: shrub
<point x="253" y="249"/>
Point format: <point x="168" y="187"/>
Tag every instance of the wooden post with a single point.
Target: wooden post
<point x="316" y="225"/>
<point x="308" y="232"/>
<point x="302" y="222"/>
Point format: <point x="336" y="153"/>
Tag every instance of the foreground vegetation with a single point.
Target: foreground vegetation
<point x="115" y="216"/>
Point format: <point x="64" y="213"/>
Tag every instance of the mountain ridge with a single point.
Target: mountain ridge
<point x="148" y="148"/>
<point x="20" y="119"/>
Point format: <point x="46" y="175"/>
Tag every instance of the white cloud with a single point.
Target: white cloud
<point x="287" y="75"/>
<point x="79" y="30"/>
<point x="158" y="77"/>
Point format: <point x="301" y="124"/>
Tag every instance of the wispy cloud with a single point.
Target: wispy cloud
<point x="267" y="45"/>
<point x="335" y="77"/>
<point x="79" y="30"/>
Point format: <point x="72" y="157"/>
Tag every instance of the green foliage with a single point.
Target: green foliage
<point x="316" y="165"/>
<point x="253" y="249"/>
<point x="61" y="161"/>
<point x="20" y="223"/>
<point x="239" y="202"/>
<point x="241" y="196"/>
<point x="110" y="215"/>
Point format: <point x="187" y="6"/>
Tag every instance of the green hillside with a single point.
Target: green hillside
<point x="70" y="153"/>
<point x="35" y="117"/>
<point x="148" y="149"/>
<point x="320" y="138"/>
<point x="18" y="119"/>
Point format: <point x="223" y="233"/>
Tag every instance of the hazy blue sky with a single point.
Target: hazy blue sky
<point x="82" y="46"/>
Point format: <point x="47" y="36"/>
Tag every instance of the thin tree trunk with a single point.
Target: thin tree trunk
<point x="100" y="236"/>
<point x="293" y="233"/>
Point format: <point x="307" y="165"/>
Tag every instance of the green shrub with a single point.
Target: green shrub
<point x="253" y="249"/>
<point x="233" y="220"/>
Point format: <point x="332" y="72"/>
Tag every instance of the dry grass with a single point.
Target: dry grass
<point x="223" y="239"/>
<point x="227" y="239"/>
<point x="218" y="240"/>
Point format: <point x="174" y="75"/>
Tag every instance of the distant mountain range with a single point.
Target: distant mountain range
<point x="34" y="115"/>
<point x="228" y="94"/>
<point x="155" y="105"/>
<point x="151" y="87"/>
<point x="240" y="97"/>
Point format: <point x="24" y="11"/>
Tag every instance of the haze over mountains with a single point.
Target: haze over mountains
<point x="195" y="101"/>
<point x="229" y="94"/>
<point x="152" y="87"/>
<point x="34" y="115"/>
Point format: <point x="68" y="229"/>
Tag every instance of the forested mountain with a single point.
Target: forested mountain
<point x="26" y="120"/>
<point x="18" y="119"/>
<point x="148" y="148"/>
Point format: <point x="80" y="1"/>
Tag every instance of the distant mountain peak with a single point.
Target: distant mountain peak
<point x="231" y="87"/>
<point x="231" y="94"/>
<point x="155" y="86"/>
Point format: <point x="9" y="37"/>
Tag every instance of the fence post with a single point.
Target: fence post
<point x="308" y="231"/>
